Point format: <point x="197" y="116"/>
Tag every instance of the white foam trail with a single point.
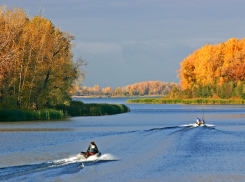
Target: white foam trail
<point x="196" y="125"/>
<point x="108" y="157"/>
<point x="62" y="162"/>
<point x="209" y="125"/>
<point x="68" y="160"/>
<point x="74" y="159"/>
<point x="104" y="157"/>
<point x="193" y="125"/>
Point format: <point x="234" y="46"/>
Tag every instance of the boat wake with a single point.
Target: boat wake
<point x="192" y="125"/>
<point x="62" y="166"/>
<point x="17" y="171"/>
<point x="196" y="125"/>
<point x="103" y="157"/>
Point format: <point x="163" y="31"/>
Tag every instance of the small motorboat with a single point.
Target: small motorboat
<point x="200" y="123"/>
<point x="85" y="155"/>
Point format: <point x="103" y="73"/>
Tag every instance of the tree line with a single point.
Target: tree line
<point x="214" y="71"/>
<point x="229" y="90"/>
<point x="36" y="62"/>
<point x="137" y="89"/>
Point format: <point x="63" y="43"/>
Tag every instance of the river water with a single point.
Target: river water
<point x="153" y="142"/>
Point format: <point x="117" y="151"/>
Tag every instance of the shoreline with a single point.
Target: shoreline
<point x="117" y="96"/>
<point x="189" y="101"/>
<point x="76" y="108"/>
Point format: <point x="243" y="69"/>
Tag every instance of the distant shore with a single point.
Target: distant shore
<point x="120" y="96"/>
<point x="187" y="101"/>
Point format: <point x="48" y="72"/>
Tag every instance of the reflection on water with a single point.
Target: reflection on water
<point x="225" y="116"/>
<point x="34" y="129"/>
<point x="152" y="142"/>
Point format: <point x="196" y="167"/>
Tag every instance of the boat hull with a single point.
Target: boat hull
<point x="84" y="156"/>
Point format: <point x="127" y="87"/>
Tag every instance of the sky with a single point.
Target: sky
<point x="131" y="41"/>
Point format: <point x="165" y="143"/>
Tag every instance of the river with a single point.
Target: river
<point x="153" y="142"/>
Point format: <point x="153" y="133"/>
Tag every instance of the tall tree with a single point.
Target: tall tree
<point x="36" y="63"/>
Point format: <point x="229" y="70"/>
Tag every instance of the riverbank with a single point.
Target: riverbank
<point x="119" y="96"/>
<point x="76" y="108"/>
<point x="29" y="115"/>
<point x="187" y="101"/>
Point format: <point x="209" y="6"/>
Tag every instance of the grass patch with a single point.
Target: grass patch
<point x="78" y="108"/>
<point x="22" y="115"/>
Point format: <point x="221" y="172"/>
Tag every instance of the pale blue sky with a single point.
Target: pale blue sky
<point x="131" y="41"/>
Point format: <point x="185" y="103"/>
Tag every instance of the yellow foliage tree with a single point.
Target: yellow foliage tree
<point x="214" y="64"/>
<point x="36" y="66"/>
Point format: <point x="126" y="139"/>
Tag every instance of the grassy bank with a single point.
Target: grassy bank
<point x="187" y="101"/>
<point x="76" y="108"/>
<point x="23" y="115"/>
<point x="119" y="96"/>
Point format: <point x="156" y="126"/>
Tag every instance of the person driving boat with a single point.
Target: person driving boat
<point x="202" y="121"/>
<point x="197" y="121"/>
<point x="92" y="149"/>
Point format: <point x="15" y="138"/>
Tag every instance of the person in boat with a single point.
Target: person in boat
<point x="202" y="121"/>
<point x="92" y="149"/>
<point x="197" y="121"/>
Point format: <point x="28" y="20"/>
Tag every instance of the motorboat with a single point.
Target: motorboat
<point x="85" y="155"/>
<point x="200" y="123"/>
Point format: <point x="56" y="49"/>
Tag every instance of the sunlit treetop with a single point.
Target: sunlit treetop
<point x="214" y="64"/>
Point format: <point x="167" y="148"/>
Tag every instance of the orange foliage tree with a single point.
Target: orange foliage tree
<point x="214" y="64"/>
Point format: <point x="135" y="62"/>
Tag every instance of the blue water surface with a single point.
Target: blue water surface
<point x="153" y="142"/>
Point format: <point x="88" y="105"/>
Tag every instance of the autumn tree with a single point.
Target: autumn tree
<point x="96" y="89"/>
<point x="142" y="88"/>
<point x="36" y="63"/>
<point x="118" y="91"/>
<point x="108" y="90"/>
<point x="216" y="71"/>
<point x="214" y="64"/>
